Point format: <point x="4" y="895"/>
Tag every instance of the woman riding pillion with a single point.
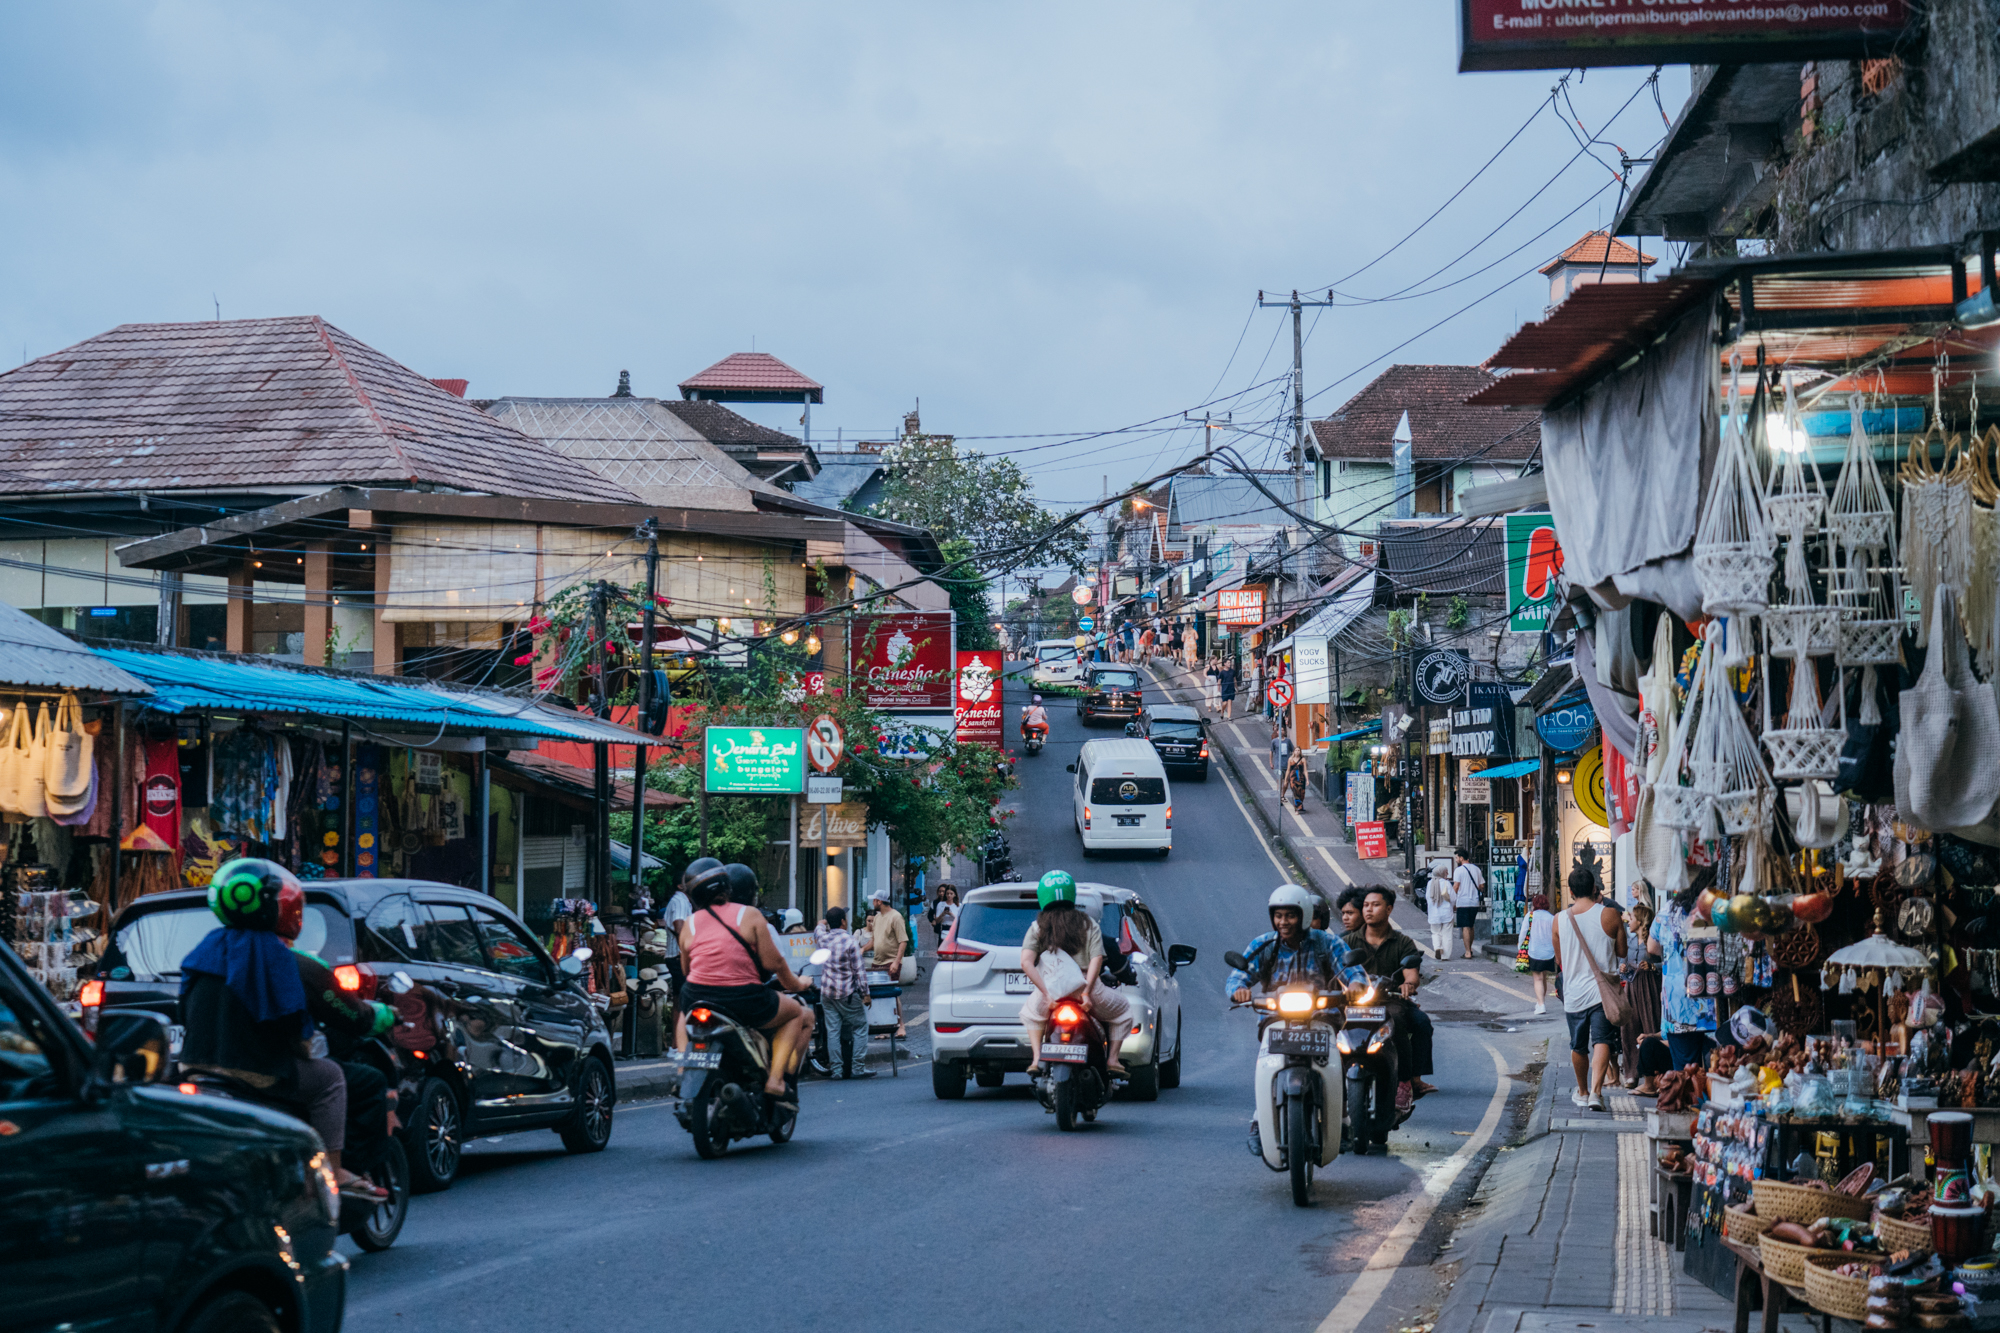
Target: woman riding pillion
<point x="1291" y="950"/>
<point x="729" y="950"/>
<point x="1061" y="928"/>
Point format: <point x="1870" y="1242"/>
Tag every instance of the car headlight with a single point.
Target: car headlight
<point x="325" y="1187"/>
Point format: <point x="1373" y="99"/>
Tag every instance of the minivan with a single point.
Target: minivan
<point x="1057" y="662"/>
<point x="1121" y="798"/>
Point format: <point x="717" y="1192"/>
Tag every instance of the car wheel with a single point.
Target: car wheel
<point x="1143" y="1083"/>
<point x="990" y="1078"/>
<point x="948" y="1080"/>
<point x="1202" y="776"/>
<point x="233" y="1312"/>
<point x="1170" y="1070"/>
<point x="1166" y="852"/>
<point x="384" y="1224"/>
<point x="435" y="1138"/>
<point x="589" y="1128"/>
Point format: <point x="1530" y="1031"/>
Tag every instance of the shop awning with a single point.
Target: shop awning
<point x="34" y="656"/>
<point x="564" y="722"/>
<point x="1371" y="729"/>
<point x="1347" y="606"/>
<point x="1520" y="770"/>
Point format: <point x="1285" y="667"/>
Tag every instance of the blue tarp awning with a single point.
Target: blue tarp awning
<point x="1371" y="729"/>
<point x="1520" y="770"/>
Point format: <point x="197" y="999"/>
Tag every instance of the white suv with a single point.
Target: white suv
<point x="978" y="987"/>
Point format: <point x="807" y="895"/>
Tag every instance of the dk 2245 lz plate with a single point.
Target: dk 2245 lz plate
<point x="1315" y="1042"/>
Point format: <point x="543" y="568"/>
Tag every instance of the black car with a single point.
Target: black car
<point x="131" y="1204"/>
<point x="1109" y="692"/>
<point x="524" y="1046"/>
<point x="1180" y="736"/>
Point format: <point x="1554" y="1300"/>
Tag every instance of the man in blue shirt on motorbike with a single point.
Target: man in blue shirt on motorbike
<point x="1291" y="951"/>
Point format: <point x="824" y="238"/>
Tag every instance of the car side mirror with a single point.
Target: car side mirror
<point x="1233" y="958"/>
<point x="131" y="1048"/>
<point x="571" y="966"/>
<point x="1131" y="728"/>
<point x="1410" y="960"/>
<point x="1069" y="768"/>
<point x="1179" y="956"/>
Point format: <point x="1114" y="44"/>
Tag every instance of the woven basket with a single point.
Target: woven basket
<point x="1681" y="808"/>
<point x="1747" y="810"/>
<point x="1783" y="1261"/>
<point x="1867" y="530"/>
<point x="1809" y="752"/>
<point x="1735" y="577"/>
<point x="1896" y="1234"/>
<point x="1812" y="630"/>
<point x="1869" y="642"/>
<point x="1743" y="1226"/>
<point x="1832" y="1293"/>
<point x="1794" y="514"/>
<point x="1781" y="1202"/>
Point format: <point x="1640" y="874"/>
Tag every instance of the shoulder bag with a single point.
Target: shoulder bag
<point x="1948" y="755"/>
<point x="1610" y="993"/>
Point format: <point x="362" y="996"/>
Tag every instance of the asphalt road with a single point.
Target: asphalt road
<point x="891" y="1209"/>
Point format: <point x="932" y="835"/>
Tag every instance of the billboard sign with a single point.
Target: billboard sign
<point x="844" y="825"/>
<point x="1240" y="606"/>
<point x="1442" y="675"/>
<point x="1534" y="572"/>
<point x="904" y="660"/>
<point x="755" y="761"/>
<point x="978" y="690"/>
<point x="913" y="736"/>
<point x="1568" y="34"/>
<point x="1309" y="663"/>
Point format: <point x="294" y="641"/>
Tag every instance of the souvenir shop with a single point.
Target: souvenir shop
<point x="1796" y="663"/>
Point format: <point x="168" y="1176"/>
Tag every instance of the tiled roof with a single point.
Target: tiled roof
<point x="639" y="444"/>
<point x="1590" y="250"/>
<point x="1441" y="425"/>
<point x="290" y="402"/>
<point x="718" y="425"/>
<point x="1444" y="556"/>
<point x="751" y="371"/>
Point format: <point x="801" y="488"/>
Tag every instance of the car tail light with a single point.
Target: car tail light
<point x="950" y="1027"/>
<point x="188" y="1089"/>
<point x="1068" y="1015"/>
<point x="91" y="994"/>
<point x="951" y="952"/>
<point x="702" y="1015"/>
<point x="1204" y="749"/>
<point x="1170" y="816"/>
<point x="420" y="1055"/>
<point x="1086" y="816"/>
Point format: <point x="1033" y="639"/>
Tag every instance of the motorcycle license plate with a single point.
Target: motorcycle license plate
<point x="700" y="1059"/>
<point x="1016" y="983"/>
<point x="1315" y="1042"/>
<point x="1069" y="1052"/>
<point x="1130" y="821"/>
<point x="1373" y="1013"/>
<point x="176" y="1034"/>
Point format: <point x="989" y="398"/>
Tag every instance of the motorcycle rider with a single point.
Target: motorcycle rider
<point x="251" y="1004"/>
<point x="1380" y="949"/>
<point x="1291" y="950"/>
<point x="728" y="958"/>
<point x="1061" y="928"/>
<point x="1034" y="715"/>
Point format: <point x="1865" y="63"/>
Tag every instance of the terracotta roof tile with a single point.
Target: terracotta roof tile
<point x="718" y="425"/>
<point x="751" y="371"/>
<point x="1590" y="250"/>
<point x="1441" y="425"/>
<point x="289" y="402"/>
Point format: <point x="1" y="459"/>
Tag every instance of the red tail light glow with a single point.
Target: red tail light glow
<point x="951" y="1027"/>
<point x="189" y="1089"/>
<point x="1170" y="816"/>
<point x="1086" y="816"/>
<point x="1068" y="1015"/>
<point x="702" y="1015"/>
<point x="952" y="952"/>
<point x="91" y="994"/>
<point x="348" y="977"/>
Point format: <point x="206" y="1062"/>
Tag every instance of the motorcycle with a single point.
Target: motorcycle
<point x="721" y="1095"/>
<point x="996" y="859"/>
<point x="1300" y="1112"/>
<point x="1075" y="1080"/>
<point x="1367" y="1045"/>
<point x="1034" y="735"/>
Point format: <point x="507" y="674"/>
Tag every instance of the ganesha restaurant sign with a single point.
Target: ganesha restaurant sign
<point x="903" y="661"/>
<point x="978" y="687"/>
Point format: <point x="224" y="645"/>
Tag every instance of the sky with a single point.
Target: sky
<point x="1048" y="223"/>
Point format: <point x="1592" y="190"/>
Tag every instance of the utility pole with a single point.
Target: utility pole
<point x="1297" y="307"/>
<point x="650" y="530"/>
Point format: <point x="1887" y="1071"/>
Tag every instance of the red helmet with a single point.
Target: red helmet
<point x="291" y="912"/>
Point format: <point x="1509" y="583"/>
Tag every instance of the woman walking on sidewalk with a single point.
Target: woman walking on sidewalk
<point x="1541" y="949"/>
<point x="1589" y="940"/>
<point x="1442" y="902"/>
<point x="1642" y="988"/>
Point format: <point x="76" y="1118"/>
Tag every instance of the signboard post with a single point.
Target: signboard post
<point x="825" y="743"/>
<point x="1279" y="692"/>
<point x="1534" y="562"/>
<point x="1240" y="606"/>
<point x="754" y="761"/>
<point x="1442" y="675"/>
<point x="824" y="790"/>
<point x="978" y="697"/>
<point x="1570" y="34"/>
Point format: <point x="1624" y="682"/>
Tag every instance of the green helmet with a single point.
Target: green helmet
<point x="247" y="893"/>
<point x="1056" y="887"/>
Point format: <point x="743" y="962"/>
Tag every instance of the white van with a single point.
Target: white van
<point x="1057" y="662"/>
<point x="1121" y="798"/>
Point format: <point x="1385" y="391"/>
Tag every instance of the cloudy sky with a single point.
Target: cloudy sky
<point x="1037" y="218"/>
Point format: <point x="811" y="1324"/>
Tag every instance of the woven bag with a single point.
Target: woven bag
<point x="1948" y="756"/>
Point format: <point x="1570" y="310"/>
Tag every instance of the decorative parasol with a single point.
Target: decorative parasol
<point x="1868" y="965"/>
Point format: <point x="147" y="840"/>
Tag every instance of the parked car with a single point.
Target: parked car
<point x="977" y="989"/>
<point x="1121" y="800"/>
<point x="526" y="1047"/>
<point x="135" y="1205"/>
<point x="1179" y="736"/>
<point x="1110" y="693"/>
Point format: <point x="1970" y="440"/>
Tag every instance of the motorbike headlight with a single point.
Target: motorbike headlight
<point x="1361" y="993"/>
<point x="1383" y="1035"/>
<point x="1295" y="1002"/>
<point x="1348" y="1040"/>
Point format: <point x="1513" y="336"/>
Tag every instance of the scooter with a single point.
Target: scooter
<point x="1298" y="1089"/>
<point x="996" y="859"/>
<point x="1034" y="735"/>
<point x="1075" y="1054"/>
<point x="1367" y="1045"/>
<point x="721" y="1096"/>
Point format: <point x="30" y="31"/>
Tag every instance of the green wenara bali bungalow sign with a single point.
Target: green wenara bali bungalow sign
<point x="755" y="761"/>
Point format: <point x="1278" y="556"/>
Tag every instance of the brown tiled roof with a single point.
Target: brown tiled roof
<point x="718" y="425"/>
<point x="248" y="403"/>
<point x="752" y="371"/>
<point x="1441" y="425"/>
<point x="1590" y="250"/>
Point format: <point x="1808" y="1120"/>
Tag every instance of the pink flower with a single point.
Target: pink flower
<point x="524" y="659"/>
<point x="538" y="624"/>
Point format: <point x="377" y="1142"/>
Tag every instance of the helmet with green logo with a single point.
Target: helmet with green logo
<point x="251" y="893"/>
<point x="1056" y="887"/>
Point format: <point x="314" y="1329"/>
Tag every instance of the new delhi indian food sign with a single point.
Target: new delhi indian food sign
<point x="1566" y="34"/>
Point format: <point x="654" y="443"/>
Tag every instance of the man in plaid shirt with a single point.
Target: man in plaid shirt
<point x="843" y="992"/>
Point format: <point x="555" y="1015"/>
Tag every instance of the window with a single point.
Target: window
<point x="450" y="937"/>
<point x="1144" y="928"/>
<point x="25" y="1071"/>
<point x="1128" y="791"/>
<point x="511" y="952"/>
<point x="1114" y="680"/>
<point x="1002" y="925"/>
<point x="152" y="946"/>
<point x="1174" y="728"/>
<point x="392" y="932"/>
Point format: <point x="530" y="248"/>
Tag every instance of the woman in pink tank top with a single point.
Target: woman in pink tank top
<point x="729" y="952"/>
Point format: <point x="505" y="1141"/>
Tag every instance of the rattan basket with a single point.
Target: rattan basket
<point x="1781" y="1202"/>
<point x="1743" y="1226"/>
<point x="1897" y="1234"/>
<point x="1832" y="1293"/>
<point x="1783" y="1261"/>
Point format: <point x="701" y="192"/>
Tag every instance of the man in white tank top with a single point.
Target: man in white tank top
<point x="1588" y="924"/>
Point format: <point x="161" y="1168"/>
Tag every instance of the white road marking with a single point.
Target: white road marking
<point x="1345" y="878"/>
<point x="1499" y="986"/>
<point x="1258" y="832"/>
<point x="1388" y="1257"/>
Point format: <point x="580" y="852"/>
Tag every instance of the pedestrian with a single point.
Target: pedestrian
<point x="1541" y="949"/>
<point x="1642" y="991"/>
<point x="889" y="937"/>
<point x="1225" y="682"/>
<point x="1146" y="645"/>
<point x="843" y="993"/>
<point x="1281" y="752"/>
<point x="1441" y="903"/>
<point x="1189" y="643"/>
<point x="1125" y="637"/>
<point x="1688" y="983"/>
<point x="944" y="911"/>
<point x="1295" y="780"/>
<point x="1589" y="939"/>
<point x="1212" y="671"/>
<point x="1470" y="886"/>
<point x="678" y="910"/>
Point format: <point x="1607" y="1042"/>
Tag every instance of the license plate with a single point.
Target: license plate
<point x="1130" y="821"/>
<point x="1373" y="1013"/>
<point x="699" y="1059"/>
<point x="1316" y="1042"/>
<point x="176" y="1034"/>
<point x="1016" y="983"/>
<point x="1069" y="1052"/>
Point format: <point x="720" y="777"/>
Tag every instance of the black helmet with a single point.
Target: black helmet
<point x="697" y="868"/>
<point x="742" y="883"/>
<point x="708" y="885"/>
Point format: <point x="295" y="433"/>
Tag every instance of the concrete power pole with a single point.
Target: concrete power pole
<point x="1297" y="307"/>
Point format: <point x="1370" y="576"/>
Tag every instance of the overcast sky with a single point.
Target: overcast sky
<point x="1034" y="217"/>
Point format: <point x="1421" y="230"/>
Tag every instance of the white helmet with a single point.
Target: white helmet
<point x="793" y="918"/>
<point x="1292" y="895"/>
<point x="1038" y="698"/>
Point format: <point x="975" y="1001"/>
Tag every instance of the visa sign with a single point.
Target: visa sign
<point x="1534" y="572"/>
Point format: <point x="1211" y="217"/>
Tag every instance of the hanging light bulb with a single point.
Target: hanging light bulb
<point x="812" y="643"/>
<point x="789" y="637"/>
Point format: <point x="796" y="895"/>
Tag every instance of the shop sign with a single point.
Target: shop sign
<point x="1371" y="840"/>
<point x="755" y="761"/>
<point x="1570" y="34"/>
<point x="1441" y="733"/>
<point x="824" y="790"/>
<point x="1586" y="784"/>
<point x="1474" y="790"/>
<point x="835" y="826"/>
<point x="1309" y="669"/>
<point x="1442" y="675"/>
<point x="1360" y="797"/>
<point x="1568" y="726"/>
<point x="1534" y="566"/>
<point x="978" y="710"/>
<point x="1240" y="606"/>
<point x="903" y="660"/>
<point x="1486" y="725"/>
<point x="913" y="736"/>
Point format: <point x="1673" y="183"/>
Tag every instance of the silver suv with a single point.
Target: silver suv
<point x="978" y="987"/>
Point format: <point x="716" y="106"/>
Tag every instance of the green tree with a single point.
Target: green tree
<point x="969" y="599"/>
<point x="986" y="503"/>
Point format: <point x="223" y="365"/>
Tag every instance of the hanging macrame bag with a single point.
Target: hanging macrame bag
<point x="67" y="752"/>
<point x="1948" y="756"/>
<point x="22" y="766"/>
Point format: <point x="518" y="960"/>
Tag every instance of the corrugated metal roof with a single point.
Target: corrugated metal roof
<point x="1445" y="556"/>
<point x="181" y="683"/>
<point x="565" y="722"/>
<point x="34" y="655"/>
<point x="1595" y="329"/>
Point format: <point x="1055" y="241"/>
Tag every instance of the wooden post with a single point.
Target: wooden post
<point x="117" y="767"/>
<point x="482" y="781"/>
<point x="242" y="582"/>
<point x="388" y="640"/>
<point x="347" y="802"/>
<point x="319" y="601"/>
